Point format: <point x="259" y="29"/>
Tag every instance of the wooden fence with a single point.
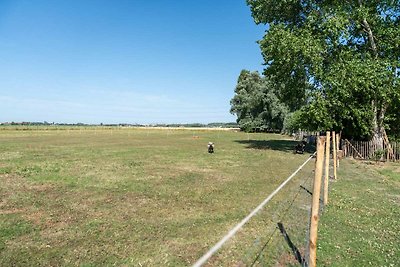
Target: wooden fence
<point x="369" y="150"/>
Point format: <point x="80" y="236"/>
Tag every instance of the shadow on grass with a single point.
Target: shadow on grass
<point x="309" y="192"/>
<point x="296" y="252"/>
<point x="293" y="248"/>
<point x="281" y="145"/>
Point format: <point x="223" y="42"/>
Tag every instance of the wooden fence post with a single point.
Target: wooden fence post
<point x="327" y="158"/>
<point x="337" y="148"/>
<point x="334" y="154"/>
<point x="312" y="261"/>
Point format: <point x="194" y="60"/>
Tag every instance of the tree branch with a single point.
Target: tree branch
<point x="368" y="30"/>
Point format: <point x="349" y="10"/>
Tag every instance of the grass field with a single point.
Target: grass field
<point x="142" y="197"/>
<point x="360" y="226"/>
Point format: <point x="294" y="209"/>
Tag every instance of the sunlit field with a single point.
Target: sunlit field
<point x="361" y="225"/>
<point x="146" y="197"/>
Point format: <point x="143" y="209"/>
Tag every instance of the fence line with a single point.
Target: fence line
<point x="370" y="150"/>
<point x="235" y="229"/>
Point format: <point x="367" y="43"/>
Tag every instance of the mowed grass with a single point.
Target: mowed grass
<point x="361" y="224"/>
<point x="134" y="197"/>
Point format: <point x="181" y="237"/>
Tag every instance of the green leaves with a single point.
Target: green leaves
<point x="255" y="104"/>
<point x="271" y="11"/>
<point x="336" y="62"/>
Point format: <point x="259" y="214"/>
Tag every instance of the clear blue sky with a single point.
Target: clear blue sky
<point x="133" y="61"/>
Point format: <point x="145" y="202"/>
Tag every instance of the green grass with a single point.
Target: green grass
<point x="144" y="197"/>
<point x="361" y="226"/>
<point x="131" y="197"/>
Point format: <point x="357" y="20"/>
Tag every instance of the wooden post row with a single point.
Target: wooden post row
<point x="327" y="158"/>
<point x="312" y="261"/>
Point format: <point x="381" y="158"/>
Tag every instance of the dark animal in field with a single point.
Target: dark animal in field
<point x="300" y="147"/>
<point x="210" y="147"/>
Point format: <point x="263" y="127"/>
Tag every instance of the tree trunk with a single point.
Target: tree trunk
<point x="378" y="137"/>
<point x="377" y="125"/>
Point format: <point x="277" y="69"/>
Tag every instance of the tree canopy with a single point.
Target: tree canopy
<point x="335" y="62"/>
<point x="256" y="105"/>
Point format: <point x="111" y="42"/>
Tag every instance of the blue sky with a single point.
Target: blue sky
<point x="137" y="61"/>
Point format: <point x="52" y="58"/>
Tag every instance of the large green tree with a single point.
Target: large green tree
<point x="255" y="103"/>
<point x="339" y="57"/>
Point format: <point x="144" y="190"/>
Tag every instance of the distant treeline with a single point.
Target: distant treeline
<point x="199" y="125"/>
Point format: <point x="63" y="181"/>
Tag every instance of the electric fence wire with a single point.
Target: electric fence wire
<point x="281" y="218"/>
<point x="235" y="229"/>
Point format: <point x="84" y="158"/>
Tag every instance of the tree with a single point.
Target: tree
<point x="336" y="61"/>
<point x="393" y="120"/>
<point x="255" y="104"/>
